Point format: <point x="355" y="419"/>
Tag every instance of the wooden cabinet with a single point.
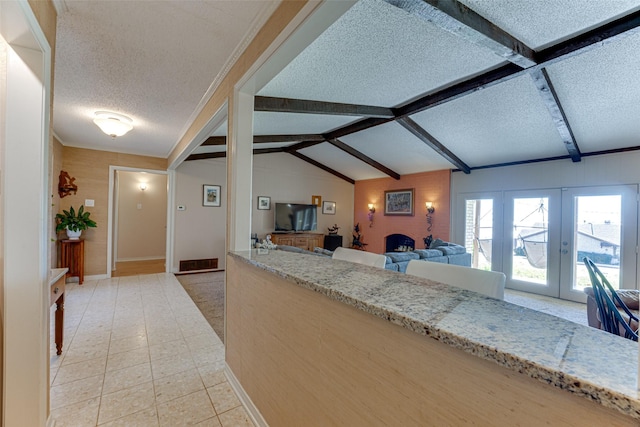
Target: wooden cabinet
<point x="306" y="241"/>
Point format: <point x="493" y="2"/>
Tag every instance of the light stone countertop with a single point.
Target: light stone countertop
<point x="588" y="362"/>
<point x="55" y="274"/>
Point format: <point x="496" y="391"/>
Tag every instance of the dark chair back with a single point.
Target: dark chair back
<point x="605" y="294"/>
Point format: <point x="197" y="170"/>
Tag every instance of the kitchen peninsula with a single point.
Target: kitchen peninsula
<point x="315" y="341"/>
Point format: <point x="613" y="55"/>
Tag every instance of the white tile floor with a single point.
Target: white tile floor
<point x="137" y="352"/>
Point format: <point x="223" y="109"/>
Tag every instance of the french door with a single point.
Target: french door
<point x="539" y="238"/>
<point x="531" y="240"/>
<point x="599" y="223"/>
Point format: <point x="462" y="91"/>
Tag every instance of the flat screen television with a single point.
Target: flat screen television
<point x="296" y="217"/>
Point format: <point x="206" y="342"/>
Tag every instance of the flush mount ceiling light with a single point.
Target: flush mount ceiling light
<point x="113" y="124"/>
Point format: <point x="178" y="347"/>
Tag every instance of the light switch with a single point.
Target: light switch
<point x="89" y="203"/>
<point x="139" y="205"/>
<point x="182" y="208"/>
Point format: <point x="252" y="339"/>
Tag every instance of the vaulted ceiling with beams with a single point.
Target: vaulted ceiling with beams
<point x="395" y="87"/>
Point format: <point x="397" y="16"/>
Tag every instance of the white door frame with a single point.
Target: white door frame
<point x="112" y="213"/>
<point x="25" y="200"/>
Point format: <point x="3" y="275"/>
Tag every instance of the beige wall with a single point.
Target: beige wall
<point x="200" y="231"/>
<point x="286" y="178"/>
<point x="91" y="170"/>
<point x="142" y="216"/>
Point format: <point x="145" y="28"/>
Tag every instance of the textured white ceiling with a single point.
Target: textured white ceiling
<point x="150" y="60"/>
<point x="600" y="94"/>
<point x="155" y="60"/>
<point x="393" y="146"/>
<point x="338" y="160"/>
<point x="541" y="23"/>
<point x="504" y="123"/>
<point x="377" y="54"/>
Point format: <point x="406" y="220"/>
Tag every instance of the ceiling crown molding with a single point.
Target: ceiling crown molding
<point x="60" y="6"/>
<point x="255" y="26"/>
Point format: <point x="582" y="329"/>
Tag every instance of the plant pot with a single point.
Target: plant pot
<point x="73" y="235"/>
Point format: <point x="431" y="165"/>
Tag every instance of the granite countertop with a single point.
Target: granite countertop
<point x="583" y="360"/>
<point x="55" y="274"/>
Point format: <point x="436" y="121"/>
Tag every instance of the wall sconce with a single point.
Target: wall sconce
<point x="372" y="210"/>
<point x="430" y="211"/>
<point x="143" y="186"/>
<point x="113" y="124"/>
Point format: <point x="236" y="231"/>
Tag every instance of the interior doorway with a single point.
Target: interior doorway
<point x="138" y="222"/>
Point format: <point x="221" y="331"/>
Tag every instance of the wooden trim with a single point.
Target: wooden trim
<point x="358" y="126"/>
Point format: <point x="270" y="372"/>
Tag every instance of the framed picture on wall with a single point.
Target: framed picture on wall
<point x="329" y="208"/>
<point x="264" y="203"/>
<point x="211" y="195"/>
<point x="398" y="202"/>
<point x="316" y="200"/>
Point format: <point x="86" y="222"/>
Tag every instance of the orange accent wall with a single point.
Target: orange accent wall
<point x="428" y="186"/>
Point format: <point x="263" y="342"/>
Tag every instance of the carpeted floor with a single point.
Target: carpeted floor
<point x="207" y="292"/>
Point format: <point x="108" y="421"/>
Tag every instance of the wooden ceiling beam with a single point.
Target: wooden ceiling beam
<point x="432" y="142"/>
<point x="265" y="139"/>
<point x="364" y="158"/>
<point x="614" y="31"/>
<point x="457" y="18"/>
<point x="550" y="98"/>
<point x="214" y="141"/>
<point x="464" y="88"/>
<point x="321" y="166"/>
<point x="305" y="106"/>
<point x="203" y="156"/>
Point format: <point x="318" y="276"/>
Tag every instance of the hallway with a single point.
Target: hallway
<point x="138" y="352"/>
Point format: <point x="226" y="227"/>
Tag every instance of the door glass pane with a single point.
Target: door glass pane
<point x="597" y="236"/>
<point x="479" y="232"/>
<point x="530" y="239"/>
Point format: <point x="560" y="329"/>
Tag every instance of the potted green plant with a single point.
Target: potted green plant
<point x="74" y="223"/>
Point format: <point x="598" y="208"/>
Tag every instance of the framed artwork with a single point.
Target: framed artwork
<point x="210" y="195"/>
<point x="316" y="200"/>
<point x="398" y="202"/>
<point x="264" y="203"/>
<point x="329" y="208"/>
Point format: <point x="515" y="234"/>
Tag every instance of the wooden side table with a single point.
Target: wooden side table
<point x="72" y="257"/>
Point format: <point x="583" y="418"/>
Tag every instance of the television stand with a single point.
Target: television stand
<point x="304" y="240"/>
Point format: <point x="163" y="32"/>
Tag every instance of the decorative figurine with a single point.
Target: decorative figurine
<point x="333" y="230"/>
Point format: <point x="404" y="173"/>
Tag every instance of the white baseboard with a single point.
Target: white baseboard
<point x="246" y="401"/>
<point x="144" y="258"/>
<point x="75" y="279"/>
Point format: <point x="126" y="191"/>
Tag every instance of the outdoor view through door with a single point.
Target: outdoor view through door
<point x="547" y="234"/>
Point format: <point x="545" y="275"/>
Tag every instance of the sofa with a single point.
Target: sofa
<point x="629" y="296"/>
<point x="444" y="252"/>
<point x="447" y="253"/>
